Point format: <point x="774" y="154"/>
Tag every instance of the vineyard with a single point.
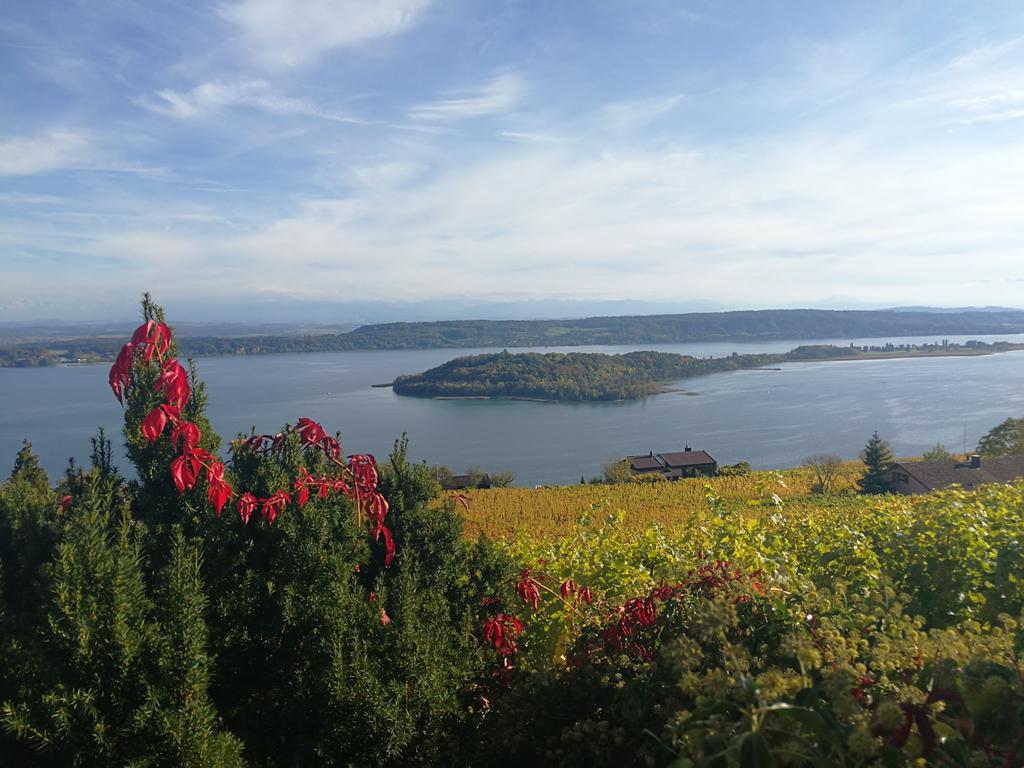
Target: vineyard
<point x="817" y="631"/>
<point x="552" y="511"/>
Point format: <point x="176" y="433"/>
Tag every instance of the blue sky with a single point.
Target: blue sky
<point x="238" y="155"/>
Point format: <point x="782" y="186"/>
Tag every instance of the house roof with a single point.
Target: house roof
<point x="939" y="474"/>
<point x="644" y="463"/>
<point x="687" y="458"/>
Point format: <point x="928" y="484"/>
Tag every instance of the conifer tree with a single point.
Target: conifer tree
<point x="109" y="683"/>
<point x="877" y="458"/>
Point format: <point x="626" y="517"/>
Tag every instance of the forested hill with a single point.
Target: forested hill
<point x="748" y="326"/>
<point x="567" y="376"/>
<point x="744" y="326"/>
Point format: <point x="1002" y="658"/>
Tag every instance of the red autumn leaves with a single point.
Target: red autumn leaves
<point x="501" y="632"/>
<point x="357" y="479"/>
<point x="632" y="627"/>
<point x="152" y="341"/>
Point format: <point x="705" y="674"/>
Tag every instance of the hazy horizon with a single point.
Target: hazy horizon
<point x="346" y="317"/>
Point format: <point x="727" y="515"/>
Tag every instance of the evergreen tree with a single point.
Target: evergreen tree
<point x="877" y="458"/>
<point x="110" y="681"/>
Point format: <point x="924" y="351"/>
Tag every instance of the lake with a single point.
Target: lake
<point x="771" y="418"/>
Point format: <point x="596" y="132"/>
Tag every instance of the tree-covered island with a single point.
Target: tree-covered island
<point x="579" y="376"/>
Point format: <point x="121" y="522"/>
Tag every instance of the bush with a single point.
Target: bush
<point x="739" y="469"/>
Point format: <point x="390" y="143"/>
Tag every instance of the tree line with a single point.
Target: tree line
<point x="745" y="326"/>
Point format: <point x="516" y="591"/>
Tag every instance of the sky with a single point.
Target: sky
<point x="266" y="159"/>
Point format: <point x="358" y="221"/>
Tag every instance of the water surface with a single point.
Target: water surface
<point x="771" y="418"/>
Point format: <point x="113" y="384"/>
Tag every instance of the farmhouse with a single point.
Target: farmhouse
<point x="685" y="463"/>
<point x="689" y="463"/>
<point x="926" y="476"/>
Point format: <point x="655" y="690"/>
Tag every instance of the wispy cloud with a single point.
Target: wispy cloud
<point x="213" y="96"/>
<point x="54" y="150"/>
<point x="540" y="138"/>
<point x="280" y="34"/>
<point x="501" y="94"/>
<point x="1010" y="114"/>
<point x="633" y="114"/>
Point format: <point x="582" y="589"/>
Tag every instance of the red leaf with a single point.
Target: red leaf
<point x="120" y="372"/>
<point x="246" y="506"/>
<point x="272" y="506"/>
<point x="310" y="432"/>
<point x="527" y="588"/>
<point x="155" y="336"/>
<point x="219" y="492"/>
<point x="154" y="423"/>
<point x="141" y="334"/>
<point x="331" y="447"/>
<point x="364" y="471"/>
<point x="501" y="632"/>
<point x="182" y="473"/>
<point x="378" y="508"/>
<point x="173" y="412"/>
<point x="161" y="338"/>
<point x="187" y="433"/>
<point x="302" y="492"/>
<point x="389" y="544"/>
<point x="173" y="383"/>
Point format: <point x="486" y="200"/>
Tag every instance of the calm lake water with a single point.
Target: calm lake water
<point x="771" y="418"/>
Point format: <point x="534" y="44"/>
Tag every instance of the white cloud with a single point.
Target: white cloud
<point x="1010" y="114"/>
<point x="210" y="97"/>
<point x="282" y="34"/>
<point x="44" y="153"/>
<point x="497" y="96"/>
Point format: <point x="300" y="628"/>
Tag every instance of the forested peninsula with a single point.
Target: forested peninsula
<point x="743" y="326"/>
<point x="579" y="376"/>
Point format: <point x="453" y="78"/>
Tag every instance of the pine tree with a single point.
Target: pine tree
<point x="877" y="458"/>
